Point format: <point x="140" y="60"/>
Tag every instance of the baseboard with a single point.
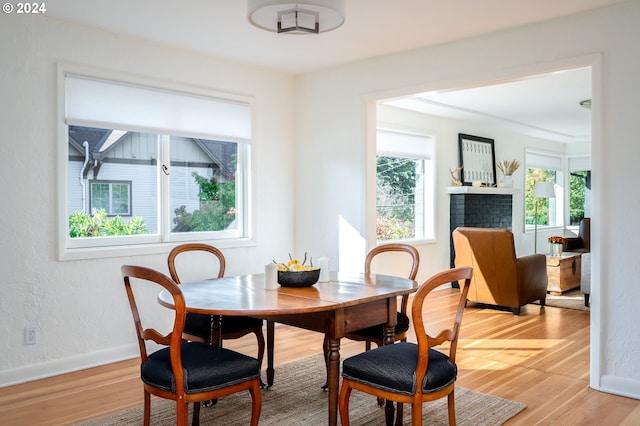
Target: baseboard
<point x="620" y="386"/>
<point x="67" y="365"/>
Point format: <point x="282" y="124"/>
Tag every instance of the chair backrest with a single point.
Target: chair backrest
<point x="492" y="254"/>
<point x="174" y="338"/>
<point x="396" y="247"/>
<point x="425" y="340"/>
<point x="191" y="247"/>
<point x="584" y="232"/>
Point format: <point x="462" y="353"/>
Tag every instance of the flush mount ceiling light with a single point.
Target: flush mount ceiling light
<point x="307" y="16"/>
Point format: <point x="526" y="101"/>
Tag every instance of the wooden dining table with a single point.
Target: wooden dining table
<point x="348" y="302"/>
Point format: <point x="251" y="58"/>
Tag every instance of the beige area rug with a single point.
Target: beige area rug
<point x="572" y="299"/>
<point x="296" y="399"/>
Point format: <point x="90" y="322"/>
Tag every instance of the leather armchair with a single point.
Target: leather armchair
<point x="581" y="243"/>
<point x="500" y="278"/>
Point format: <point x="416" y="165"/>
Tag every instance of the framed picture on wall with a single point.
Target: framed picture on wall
<point x="477" y="159"/>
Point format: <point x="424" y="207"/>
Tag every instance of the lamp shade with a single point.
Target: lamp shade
<point x="544" y="190"/>
<point x="306" y="16"/>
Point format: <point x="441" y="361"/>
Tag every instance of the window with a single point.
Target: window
<point x="404" y="174"/>
<point x="147" y="165"/>
<point x="112" y="197"/>
<point x="543" y="168"/>
<point x="579" y="189"/>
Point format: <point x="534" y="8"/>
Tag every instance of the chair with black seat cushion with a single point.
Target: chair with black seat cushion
<point x="186" y="372"/>
<point x="407" y="372"/>
<point x="198" y="327"/>
<point x="375" y="334"/>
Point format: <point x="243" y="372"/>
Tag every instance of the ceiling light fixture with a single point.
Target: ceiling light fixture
<point x="301" y="17"/>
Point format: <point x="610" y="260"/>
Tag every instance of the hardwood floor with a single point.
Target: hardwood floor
<point x="540" y="358"/>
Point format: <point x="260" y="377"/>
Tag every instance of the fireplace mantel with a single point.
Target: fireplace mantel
<point x="481" y="190"/>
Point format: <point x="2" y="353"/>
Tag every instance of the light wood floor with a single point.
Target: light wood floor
<point x="540" y="358"/>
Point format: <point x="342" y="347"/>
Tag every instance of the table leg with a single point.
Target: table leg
<point x="216" y="330"/>
<point x="333" y="379"/>
<point x="270" y="344"/>
<point x="389" y="409"/>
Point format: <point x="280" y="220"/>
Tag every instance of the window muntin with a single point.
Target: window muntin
<point x="404" y="186"/>
<point x="211" y="137"/>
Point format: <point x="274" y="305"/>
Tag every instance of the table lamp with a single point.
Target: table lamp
<point x="541" y="190"/>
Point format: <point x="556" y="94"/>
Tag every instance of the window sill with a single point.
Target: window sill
<point x="139" y="249"/>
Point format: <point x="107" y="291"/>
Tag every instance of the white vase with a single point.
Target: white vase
<point x="508" y="181"/>
<point x="556" y="249"/>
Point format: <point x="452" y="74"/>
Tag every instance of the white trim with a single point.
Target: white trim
<point x="67" y="365"/>
<point x="620" y="386"/>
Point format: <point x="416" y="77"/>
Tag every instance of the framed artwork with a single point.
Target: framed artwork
<point x="477" y="159"/>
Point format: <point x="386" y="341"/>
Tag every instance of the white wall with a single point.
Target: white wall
<point x="79" y="307"/>
<point x="333" y="130"/>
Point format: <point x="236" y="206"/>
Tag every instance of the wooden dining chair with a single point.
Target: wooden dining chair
<point x="198" y="327"/>
<point x="187" y="372"/>
<point x="375" y="334"/>
<point x="408" y="372"/>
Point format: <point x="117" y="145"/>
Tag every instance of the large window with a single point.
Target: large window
<point x="146" y="165"/>
<point x="404" y="173"/>
<point x="541" y="167"/>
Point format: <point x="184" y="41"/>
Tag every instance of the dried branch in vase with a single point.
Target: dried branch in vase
<point x="508" y="167"/>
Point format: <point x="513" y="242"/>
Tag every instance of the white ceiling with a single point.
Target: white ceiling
<point x="372" y="28"/>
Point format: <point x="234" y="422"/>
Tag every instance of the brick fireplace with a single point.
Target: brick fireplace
<point x="479" y="207"/>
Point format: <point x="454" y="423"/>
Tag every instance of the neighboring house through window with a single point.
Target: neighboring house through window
<point x="151" y="165"/>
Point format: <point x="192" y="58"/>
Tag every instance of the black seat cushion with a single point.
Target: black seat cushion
<point x="200" y="324"/>
<point x="392" y="367"/>
<point x="376" y="332"/>
<point x="205" y="368"/>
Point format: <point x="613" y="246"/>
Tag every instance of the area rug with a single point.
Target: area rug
<point x="572" y="299"/>
<point x="296" y="399"/>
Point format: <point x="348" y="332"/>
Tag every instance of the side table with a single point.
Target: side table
<point x="563" y="272"/>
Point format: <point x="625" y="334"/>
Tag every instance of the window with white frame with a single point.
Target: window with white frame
<point x="579" y="189"/>
<point x="112" y="197"/>
<point x="543" y="167"/>
<point x="149" y="165"/>
<point x="404" y="181"/>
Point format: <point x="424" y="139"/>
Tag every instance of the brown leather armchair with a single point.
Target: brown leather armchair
<point x="499" y="277"/>
<point x="581" y="243"/>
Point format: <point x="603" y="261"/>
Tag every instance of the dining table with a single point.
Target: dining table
<point x="349" y="301"/>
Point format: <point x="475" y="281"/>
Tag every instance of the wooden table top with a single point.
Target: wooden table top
<point x="247" y="295"/>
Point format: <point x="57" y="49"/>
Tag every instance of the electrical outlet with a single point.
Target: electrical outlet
<point x="30" y="336"/>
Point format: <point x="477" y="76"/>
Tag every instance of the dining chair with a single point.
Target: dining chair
<point x="375" y="333"/>
<point x="199" y="327"/>
<point x="408" y="372"/>
<point x="186" y="372"/>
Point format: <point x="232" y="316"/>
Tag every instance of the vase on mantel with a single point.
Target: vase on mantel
<point x="508" y="181"/>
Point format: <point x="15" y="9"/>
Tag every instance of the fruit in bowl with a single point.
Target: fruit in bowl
<point x="296" y="274"/>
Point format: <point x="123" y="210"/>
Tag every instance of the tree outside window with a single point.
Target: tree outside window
<point x="404" y="197"/>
